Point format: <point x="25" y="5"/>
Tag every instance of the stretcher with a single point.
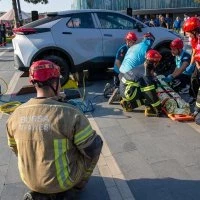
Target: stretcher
<point x="178" y="117"/>
<point x="172" y="103"/>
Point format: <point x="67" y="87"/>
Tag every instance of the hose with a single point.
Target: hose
<point x="9" y="107"/>
<point x="6" y="86"/>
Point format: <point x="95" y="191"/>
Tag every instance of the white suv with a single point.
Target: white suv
<point x="81" y="39"/>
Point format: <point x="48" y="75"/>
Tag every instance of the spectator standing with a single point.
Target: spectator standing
<point x="146" y="19"/>
<point x="139" y="18"/>
<point x="177" y="24"/>
<point x="157" y="21"/>
<point x="3" y="34"/>
<point x="151" y="23"/>
<point x="186" y="17"/>
<point x="162" y="22"/>
<point x="0" y="35"/>
<point x="168" y="21"/>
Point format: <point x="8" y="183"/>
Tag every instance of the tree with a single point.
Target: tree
<point x="14" y="4"/>
<point x="197" y="1"/>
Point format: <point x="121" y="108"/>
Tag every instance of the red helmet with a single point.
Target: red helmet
<point x="43" y="70"/>
<point x="197" y="56"/>
<point x="176" y="44"/>
<point x="131" y="36"/>
<point x="153" y="55"/>
<point x="191" y="24"/>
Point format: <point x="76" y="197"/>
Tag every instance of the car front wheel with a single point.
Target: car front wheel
<point x="64" y="67"/>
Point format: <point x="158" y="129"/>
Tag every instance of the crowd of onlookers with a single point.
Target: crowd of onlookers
<point x="2" y="35"/>
<point x="164" y="21"/>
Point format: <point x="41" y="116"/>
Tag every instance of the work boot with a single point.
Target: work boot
<point x="115" y="97"/>
<point x="175" y="84"/>
<point x="191" y="100"/>
<point x="36" y="196"/>
<point x="151" y="112"/>
<point x="66" y="195"/>
<point x="196" y="116"/>
<point x="108" y="90"/>
<point x="126" y="105"/>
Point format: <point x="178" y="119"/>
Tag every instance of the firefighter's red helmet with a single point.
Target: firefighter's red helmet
<point x="191" y="24"/>
<point x="176" y="44"/>
<point x="131" y="36"/>
<point x="153" y="55"/>
<point x="197" y="56"/>
<point x="43" y="70"/>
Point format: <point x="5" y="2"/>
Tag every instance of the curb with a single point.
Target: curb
<point x="110" y="171"/>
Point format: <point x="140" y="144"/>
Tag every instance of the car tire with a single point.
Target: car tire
<point x="167" y="64"/>
<point x="64" y="67"/>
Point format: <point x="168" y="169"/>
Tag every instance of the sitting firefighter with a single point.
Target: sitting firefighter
<point x="138" y="86"/>
<point x="57" y="148"/>
<point x="180" y="78"/>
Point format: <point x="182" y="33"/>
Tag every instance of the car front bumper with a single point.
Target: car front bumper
<point x="18" y="64"/>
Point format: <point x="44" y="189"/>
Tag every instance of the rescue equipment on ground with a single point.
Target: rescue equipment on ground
<point x="172" y="103"/>
<point x="74" y="96"/>
<point x="71" y="89"/>
<point x="9" y="107"/>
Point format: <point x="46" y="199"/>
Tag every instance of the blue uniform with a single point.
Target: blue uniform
<point x="184" y="57"/>
<point x="120" y="56"/>
<point x="135" y="55"/>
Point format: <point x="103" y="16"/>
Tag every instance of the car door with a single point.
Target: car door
<point x="77" y="34"/>
<point x="114" y="27"/>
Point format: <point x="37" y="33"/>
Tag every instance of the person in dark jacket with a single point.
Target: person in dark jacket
<point x="3" y="34"/>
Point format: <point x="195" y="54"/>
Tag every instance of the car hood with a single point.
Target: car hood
<point x="158" y="31"/>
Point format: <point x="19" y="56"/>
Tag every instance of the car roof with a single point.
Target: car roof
<point x="63" y="13"/>
<point x="60" y="13"/>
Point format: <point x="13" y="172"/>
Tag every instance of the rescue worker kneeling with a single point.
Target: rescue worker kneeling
<point x="138" y="86"/>
<point x="57" y="148"/>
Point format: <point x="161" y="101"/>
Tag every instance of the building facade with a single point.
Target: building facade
<point x="143" y="7"/>
<point x="134" y="4"/>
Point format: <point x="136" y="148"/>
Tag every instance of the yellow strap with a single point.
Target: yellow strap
<point x="198" y="104"/>
<point x="129" y="82"/>
<point x="156" y="104"/>
<point x="148" y="88"/>
<point x="129" y="96"/>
